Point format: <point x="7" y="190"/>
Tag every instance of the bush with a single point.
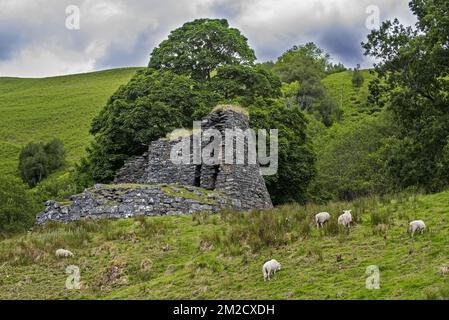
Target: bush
<point x="357" y="79"/>
<point x="350" y="160"/>
<point x="37" y="160"/>
<point x="17" y="206"/>
<point x="55" y="153"/>
<point x="33" y="164"/>
<point x="57" y="187"/>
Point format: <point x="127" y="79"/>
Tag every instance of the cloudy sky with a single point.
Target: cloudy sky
<point x="35" y="42"/>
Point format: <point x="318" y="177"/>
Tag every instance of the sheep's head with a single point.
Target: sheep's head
<point x="347" y="211"/>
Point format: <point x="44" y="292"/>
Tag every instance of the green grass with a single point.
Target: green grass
<point x="62" y="107"/>
<point x="351" y="100"/>
<point x="220" y="257"/>
<point x="204" y="256"/>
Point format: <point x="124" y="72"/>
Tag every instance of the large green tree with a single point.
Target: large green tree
<point x="296" y="158"/>
<point x="304" y="62"/>
<point x="307" y="65"/>
<point x="245" y="82"/>
<point x="414" y="66"/>
<point x="152" y="104"/>
<point x="171" y="95"/>
<point x="201" y="46"/>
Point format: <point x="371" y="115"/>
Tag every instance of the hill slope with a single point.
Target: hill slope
<point x="351" y="100"/>
<point x="62" y="107"/>
<point x="220" y="257"/>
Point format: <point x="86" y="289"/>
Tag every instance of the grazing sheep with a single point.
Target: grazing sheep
<point x="345" y="219"/>
<point x="444" y="270"/>
<point x="321" y="219"/>
<point x="416" y="226"/>
<point x="62" y="253"/>
<point x="270" y="268"/>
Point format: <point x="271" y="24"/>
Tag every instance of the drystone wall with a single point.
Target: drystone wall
<point x="153" y="185"/>
<point x="127" y="201"/>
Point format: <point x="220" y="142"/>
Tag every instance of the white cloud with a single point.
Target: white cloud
<point x="278" y="25"/>
<point x="121" y="32"/>
<point x="44" y="62"/>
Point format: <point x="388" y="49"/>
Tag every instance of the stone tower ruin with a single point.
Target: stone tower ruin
<point x="243" y="183"/>
<point x="153" y="184"/>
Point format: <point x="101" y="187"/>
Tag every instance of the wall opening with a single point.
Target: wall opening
<point x="197" y="180"/>
<point x="215" y="177"/>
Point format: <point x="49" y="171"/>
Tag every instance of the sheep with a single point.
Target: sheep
<point x="321" y="219"/>
<point x="444" y="270"/>
<point x="270" y="268"/>
<point x="62" y="253"/>
<point x="345" y="219"/>
<point x="416" y="226"/>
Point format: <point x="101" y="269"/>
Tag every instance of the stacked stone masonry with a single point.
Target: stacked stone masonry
<point x="153" y="185"/>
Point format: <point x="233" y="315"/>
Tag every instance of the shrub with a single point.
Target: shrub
<point x="55" y="153"/>
<point x="33" y="164"/>
<point x="57" y="188"/>
<point x="357" y="78"/>
<point x="17" y="206"/>
<point x="37" y="160"/>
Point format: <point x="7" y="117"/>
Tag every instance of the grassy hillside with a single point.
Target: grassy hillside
<point x="351" y="100"/>
<point x="220" y="257"/>
<point x="62" y="107"/>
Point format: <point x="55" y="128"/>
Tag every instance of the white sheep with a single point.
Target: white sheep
<point x="270" y="268"/>
<point x="62" y="253"/>
<point x="321" y="219"/>
<point x="345" y="219"/>
<point x="416" y="226"/>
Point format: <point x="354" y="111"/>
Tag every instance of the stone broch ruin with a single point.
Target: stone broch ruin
<point x="153" y="185"/>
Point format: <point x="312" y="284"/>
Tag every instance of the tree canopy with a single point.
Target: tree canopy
<point x="414" y="65"/>
<point x="37" y="160"/>
<point x="201" y="46"/>
<point x="307" y="65"/>
<point x="200" y="65"/>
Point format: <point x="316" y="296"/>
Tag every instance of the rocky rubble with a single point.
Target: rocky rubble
<point x="126" y="201"/>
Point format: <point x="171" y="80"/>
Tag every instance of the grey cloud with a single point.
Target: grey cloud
<point x="345" y="44"/>
<point x="118" y="56"/>
<point x="10" y="41"/>
<point x="118" y="33"/>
